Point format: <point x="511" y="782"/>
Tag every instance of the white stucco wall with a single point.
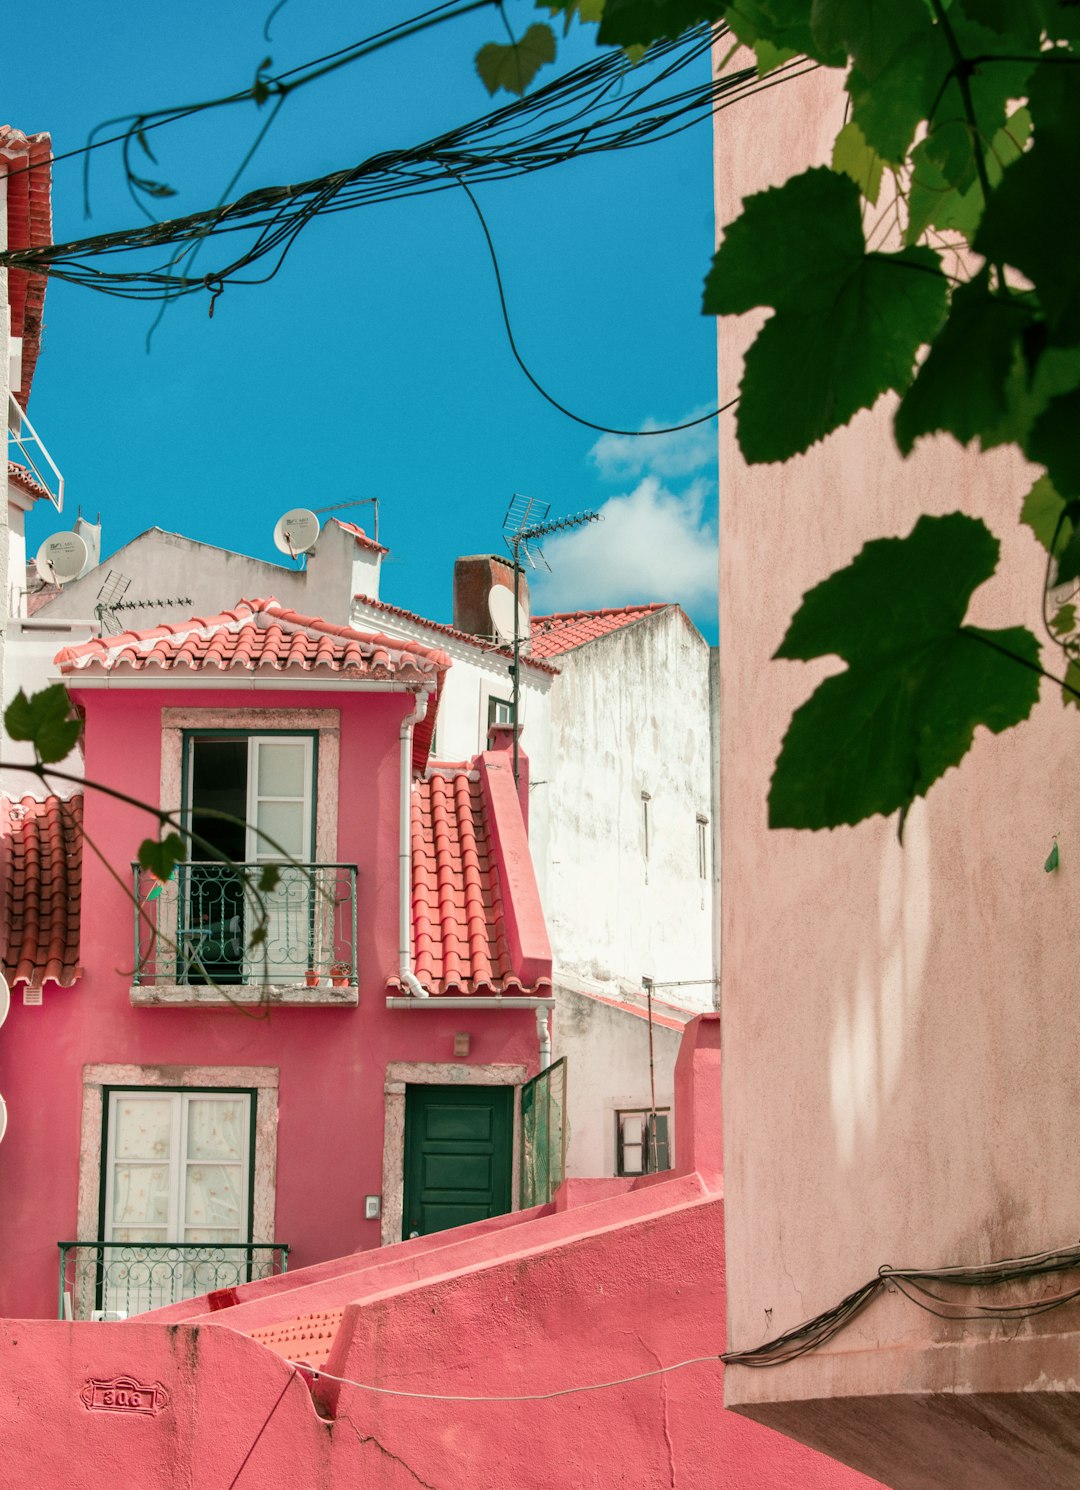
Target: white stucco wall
<point x="631" y="714"/>
<point x="168" y="566"/>
<point x="477" y="675"/>
<point x="607" y="1054"/>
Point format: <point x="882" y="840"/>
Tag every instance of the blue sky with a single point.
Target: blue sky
<point x="376" y="362"/>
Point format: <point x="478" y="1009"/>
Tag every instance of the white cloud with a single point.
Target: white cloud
<point x="683" y="454"/>
<point x="653" y="544"/>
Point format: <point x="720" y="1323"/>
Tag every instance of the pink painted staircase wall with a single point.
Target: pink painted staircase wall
<point x="607" y="1283"/>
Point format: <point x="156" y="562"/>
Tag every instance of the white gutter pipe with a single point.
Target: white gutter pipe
<point x="543" y="1034"/>
<point x="409" y="981"/>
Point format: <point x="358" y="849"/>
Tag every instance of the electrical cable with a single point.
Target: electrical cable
<point x="596" y="1386"/>
<point x="910" y="1282"/>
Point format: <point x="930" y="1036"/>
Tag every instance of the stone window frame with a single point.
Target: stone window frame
<point x="263" y="1080"/>
<point x="399" y="1075"/>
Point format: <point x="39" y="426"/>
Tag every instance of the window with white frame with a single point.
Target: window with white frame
<point x="178" y="1167"/>
<point x="500" y="711"/>
<point x="642" y="1141"/>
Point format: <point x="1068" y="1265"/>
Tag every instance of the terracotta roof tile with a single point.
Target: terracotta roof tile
<point x="459" y="937"/>
<point x="461" y="636"/>
<point x="361" y="537"/>
<point x="552" y="635"/>
<point x="40" y="888"/>
<point x="29" y="220"/>
<point x="26" y="481"/>
<point x="255" y="634"/>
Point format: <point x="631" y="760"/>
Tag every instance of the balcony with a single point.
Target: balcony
<point x="222" y="932"/>
<point x="114" y="1280"/>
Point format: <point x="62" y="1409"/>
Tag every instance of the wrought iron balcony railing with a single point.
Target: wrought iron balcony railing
<point x="255" y="924"/>
<point x="113" y="1280"/>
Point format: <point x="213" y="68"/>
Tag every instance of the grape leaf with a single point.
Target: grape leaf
<point x="641" y="22"/>
<point x="1044" y="513"/>
<point x="853" y="157"/>
<point x="890" y="106"/>
<point x="1064" y="620"/>
<point x="962" y="385"/>
<point x="847" y="323"/>
<point x="45" y="720"/>
<point x="1032" y="223"/>
<point x="161" y="857"/>
<point x="1052" y="859"/>
<point x="933" y="200"/>
<point x="1053" y="443"/>
<point x="1072" y="678"/>
<point x="918" y="682"/>
<point x="583" y="10"/>
<point x="513" y="65"/>
<point x="951" y="138"/>
<point x="871" y="31"/>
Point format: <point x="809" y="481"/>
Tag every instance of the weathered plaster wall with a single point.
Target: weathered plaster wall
<point x="607" y="1051"/>
<point x="168" y="566"/>
<point x="331" y="1061"/>
<point x="900" y="1024"/>
<point x="630" y="715"/>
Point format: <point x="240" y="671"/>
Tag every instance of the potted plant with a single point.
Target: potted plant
<point x="340" y="973"/>
<point x="311" y="978"/>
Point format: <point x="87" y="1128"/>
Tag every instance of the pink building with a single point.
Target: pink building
<point x="201" y="1103"/>
<point x="900" y="1079"/>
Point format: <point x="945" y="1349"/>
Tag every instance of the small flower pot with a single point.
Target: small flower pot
<point x="311" y="978"/>
<point x="340" y="976"/>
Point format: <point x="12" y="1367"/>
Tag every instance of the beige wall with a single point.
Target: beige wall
<point x="901" y="1082"/>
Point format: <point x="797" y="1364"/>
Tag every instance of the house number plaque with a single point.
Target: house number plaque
<point x="124" y="1394"/>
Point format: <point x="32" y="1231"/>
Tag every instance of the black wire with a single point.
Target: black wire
<point x="910" y="1283"/>
<point x="554" y="402"/>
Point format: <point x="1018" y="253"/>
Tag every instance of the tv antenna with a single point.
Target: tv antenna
<point x="372" y="502"/>
<point x="525" y="524"/>
<point x="111" y="599"/>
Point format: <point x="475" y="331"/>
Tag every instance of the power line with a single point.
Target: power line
<point x="596" y="1386"/>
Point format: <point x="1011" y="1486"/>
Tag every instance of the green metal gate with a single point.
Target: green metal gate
<point x="544" y="1132"/>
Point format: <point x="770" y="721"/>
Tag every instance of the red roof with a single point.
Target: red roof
<point x="29" y="225"/>
<point x="552" y="635"/>
<point x="361" y="537"/>
<point x="260" y="633"/>
<point x="28" y="482"/>
<point x="460" y="943"/>
<point x="40" y="883"/>
<point x="461" y="636"/>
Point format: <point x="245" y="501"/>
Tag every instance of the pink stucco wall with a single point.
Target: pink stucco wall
<point x="900" y="1073"/>
<point x="565" y="1296"/>
<point x="332" y="1062"/>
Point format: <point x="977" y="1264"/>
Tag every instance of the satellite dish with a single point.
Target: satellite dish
<point x="296" y="532"/>
<point x="62" y="557"/>
<point x="501" y="610"/>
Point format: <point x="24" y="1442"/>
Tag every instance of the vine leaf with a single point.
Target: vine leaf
<point x="872" y="31"/>
<point x="513" y="65"/>
<point x="1043" y="512"/>
<point x="45" y="720"/>
<point x="853" y="157"/>
<point x="848" y="323"/>
<point x="1072" y="678"/>
<point x="161" y="856"/>
<point x="1052" y="859"/>
<point x="962" y="385"/>
<point x="918" y="682"/>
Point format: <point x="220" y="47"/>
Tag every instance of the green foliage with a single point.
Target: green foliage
<point x="1052" y="859"/>
<point x="45" y="720"/>
<point x="848" y="323"/>
<point x="161" y="856"/>
<point x="513" y="65"/>
<point x="983" y="297"/>
<point x="918" y="681"/>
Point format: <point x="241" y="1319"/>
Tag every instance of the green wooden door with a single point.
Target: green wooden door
<point x="458" y="1146"/>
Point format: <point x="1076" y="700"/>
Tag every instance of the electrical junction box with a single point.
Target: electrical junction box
<point x="372" y="1207"/>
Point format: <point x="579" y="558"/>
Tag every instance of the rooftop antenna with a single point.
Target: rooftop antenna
<point x="110" y="599"/>
<point x="525" y="523"/>
<point x="373" y="502"/>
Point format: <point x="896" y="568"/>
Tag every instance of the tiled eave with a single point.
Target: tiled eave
<point x="40" y="889"/>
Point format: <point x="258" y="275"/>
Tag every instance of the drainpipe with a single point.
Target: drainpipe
<point x="543" y="1034"/>
<point x="409" y="981"/>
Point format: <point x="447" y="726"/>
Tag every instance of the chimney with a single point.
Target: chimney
<point x="474" y="577"/>
<point x="501" y="741"/>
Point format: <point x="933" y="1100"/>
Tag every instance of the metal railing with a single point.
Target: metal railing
<point x="544" y="1135"/>
<point x="34" y="455"/>
<point x="113" y="1280"/>
<point x="224" y="922"/>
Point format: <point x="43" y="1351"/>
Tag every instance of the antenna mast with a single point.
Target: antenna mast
<point x="525" y="523"/>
